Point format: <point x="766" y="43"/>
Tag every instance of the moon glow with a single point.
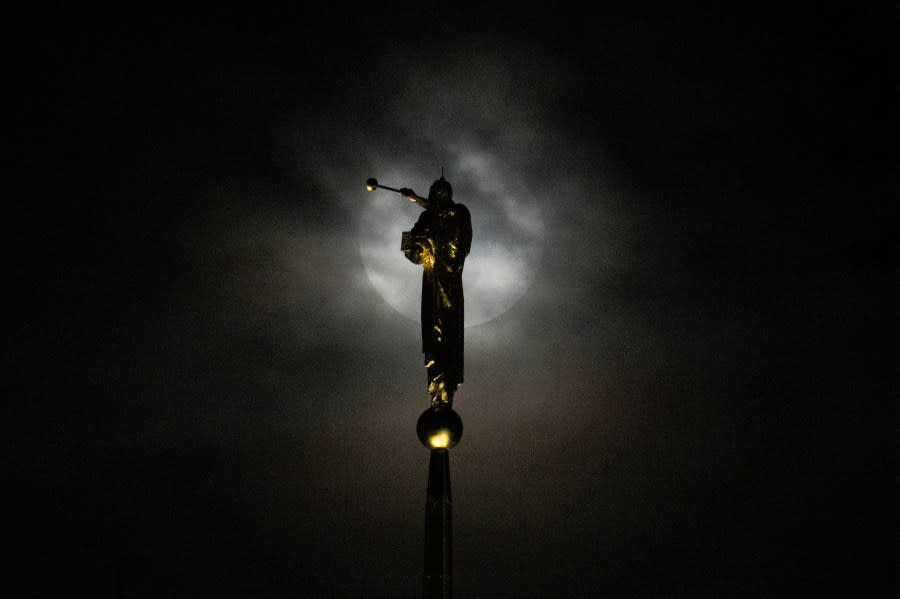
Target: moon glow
<point x="507" y="238"/>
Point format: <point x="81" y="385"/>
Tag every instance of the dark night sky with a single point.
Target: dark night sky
<point x="205" y="396"/>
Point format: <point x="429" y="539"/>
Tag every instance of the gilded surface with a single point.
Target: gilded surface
<point x="440" y="242"/>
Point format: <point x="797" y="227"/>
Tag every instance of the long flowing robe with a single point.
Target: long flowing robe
<point x="445" y="236"/>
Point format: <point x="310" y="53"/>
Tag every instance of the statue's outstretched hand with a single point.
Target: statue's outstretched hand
<point x="407" y="192"/>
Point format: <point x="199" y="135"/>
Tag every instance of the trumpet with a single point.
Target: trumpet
<point x="372" y="184"/>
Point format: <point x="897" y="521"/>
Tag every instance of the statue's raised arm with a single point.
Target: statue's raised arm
<point x="372" y="184"/>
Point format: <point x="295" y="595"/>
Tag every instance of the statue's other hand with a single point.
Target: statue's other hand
<point x="414" y="255"/>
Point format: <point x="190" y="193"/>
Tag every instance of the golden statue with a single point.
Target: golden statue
<point x="440" y="242"/>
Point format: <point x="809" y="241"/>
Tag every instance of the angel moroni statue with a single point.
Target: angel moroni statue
<point x="440" y="242"/>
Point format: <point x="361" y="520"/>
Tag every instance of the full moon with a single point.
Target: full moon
<point x="507" y="238"/>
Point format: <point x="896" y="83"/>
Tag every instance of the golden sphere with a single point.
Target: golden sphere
<point x="439" y="428"/>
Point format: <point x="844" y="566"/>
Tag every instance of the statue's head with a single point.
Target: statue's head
<point x="441" y="193"/>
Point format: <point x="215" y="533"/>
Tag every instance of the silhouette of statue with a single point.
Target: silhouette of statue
<point x="440" y="242"/>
